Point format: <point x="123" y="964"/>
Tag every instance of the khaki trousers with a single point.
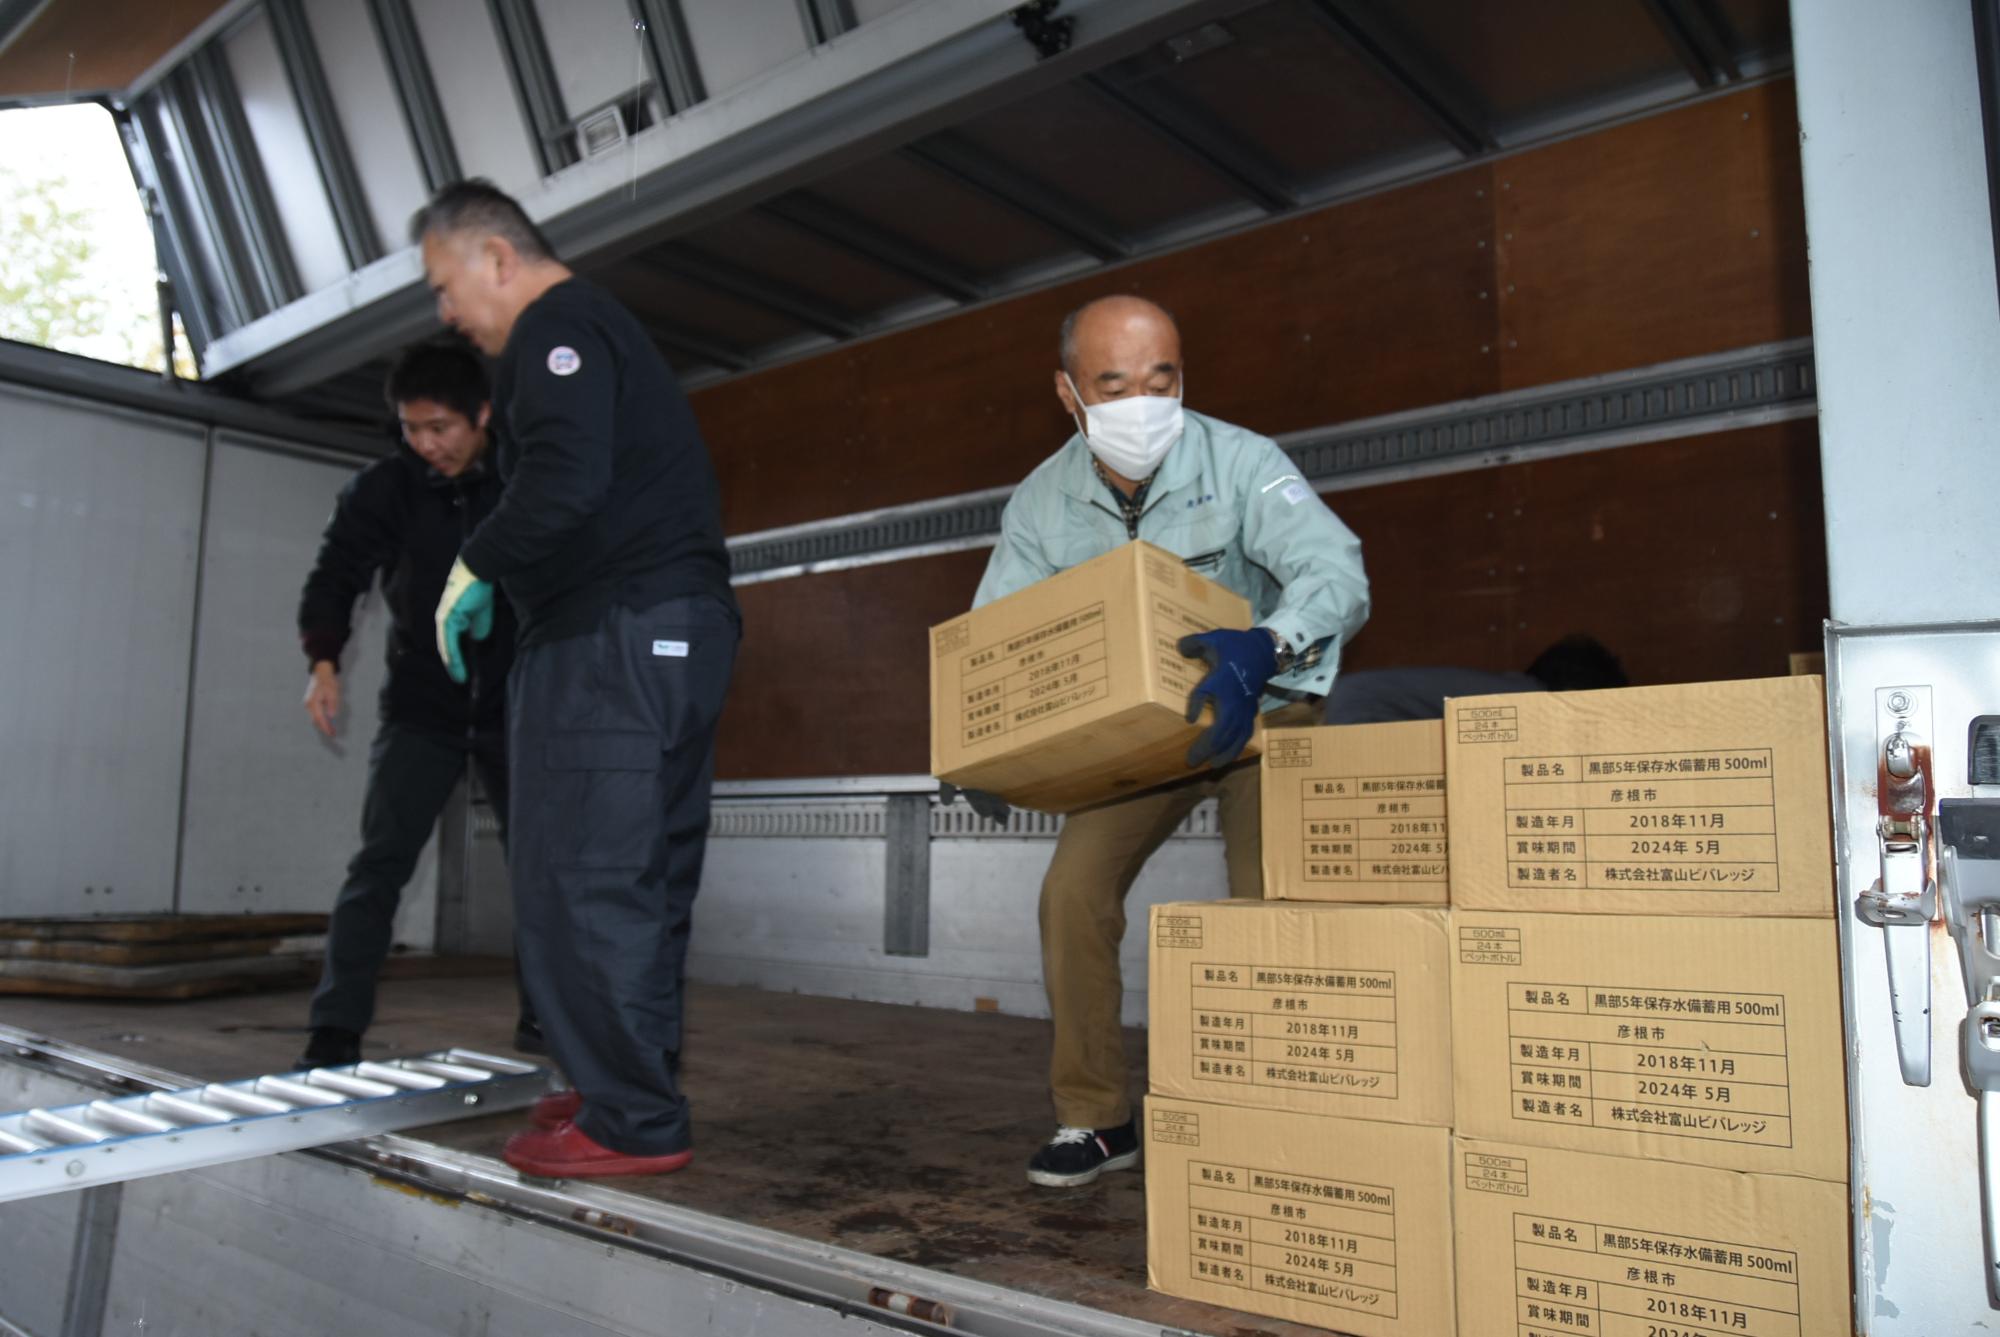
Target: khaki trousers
<point x="1098" y="857"/>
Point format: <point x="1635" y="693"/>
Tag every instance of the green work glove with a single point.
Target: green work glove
<point x="466" y="608"/>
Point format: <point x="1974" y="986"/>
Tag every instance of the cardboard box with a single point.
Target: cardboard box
<point x="1709" y="799"/>
<point x="1558" y="1243"/>
<point x="1708" y="1041"/>
<point x="1355" y="813"/>
<point x="1073" y="691"/>
<point x="1340" y="1223"/>
<point x="1327" y="1009"/>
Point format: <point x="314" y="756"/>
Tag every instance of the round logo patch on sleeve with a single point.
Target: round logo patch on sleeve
<point x="563" y="360"/>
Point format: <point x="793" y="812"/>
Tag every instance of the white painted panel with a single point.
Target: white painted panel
<point x="371" y="115"/>
<point x="286" y="153"/>
<point x="272" y="808"/>
<point x="487" y="128"/>
<point x="1906" y="323"/>
<point x="595" y="48"/>
<point x="100" y="514"/>
<point x="867" y="11"/>
<point x="737" y="40"/>
<point x="805" y="915"/>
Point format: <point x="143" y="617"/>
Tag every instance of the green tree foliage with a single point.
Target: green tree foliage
<point x="46" y="293"/>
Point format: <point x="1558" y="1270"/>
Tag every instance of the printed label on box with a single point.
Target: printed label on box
<point x="1371" y="828"/>
<point x="1331" y="1030"/>
<point x="1646" y="822"/>
<point x="1613" y="1277"/>
<point x="1326" y="1241"/>
<point x="1691" y="1063"/>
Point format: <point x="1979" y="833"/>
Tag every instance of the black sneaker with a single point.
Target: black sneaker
<point x="331" y="1047"/>
<point x="1076" y="1156"/>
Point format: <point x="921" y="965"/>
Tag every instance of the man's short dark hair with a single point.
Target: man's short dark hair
<point x="477" y="205"/>
<point x="1578" y="663"/>
<point x="444" y="371"/>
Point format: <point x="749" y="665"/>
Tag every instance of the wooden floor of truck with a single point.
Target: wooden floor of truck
<point x="895" y="1131"/>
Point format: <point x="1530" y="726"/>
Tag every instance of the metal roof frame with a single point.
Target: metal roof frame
<point x="913" y="71"/>
<point x="722" y="276"/>
<point x="307" y="76"/>
<point x="952" y="156"/>
<point x="837" y="227"/>
<point x="416" y="90"/>
<point x="532" y="72"/>
<point x="1413" y="72"/>
<point x="669" y="53"/>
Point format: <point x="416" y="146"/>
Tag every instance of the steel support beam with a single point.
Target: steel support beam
<point x="307" y="74"/>
<point x="269" y="254"/>
<point x="835" y="225"/>
<point x="825" y="20"/>
<point x="1696" y="397"/>
<point x="533" y="75"/>
<point x="1410" y="71"/>
<point x="416" y="90"/>
<point x="915" y="70"/>
<point x="90" y="1260"/>
<point x="730" y="280"/>
<point x="26" y="369"/>
<point x="906" y="880"/>
<point x="953" y="157"/>
<point x="1195" y="133"/>
<point x="1698" y="38"/>
<point x="698" y="348"/>
<point x="236" y="302"/>
<point x="669" y="53"/>
<point x="168" y="216"/>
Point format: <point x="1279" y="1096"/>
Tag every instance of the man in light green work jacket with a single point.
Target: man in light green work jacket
<point x="1232" y="505"/>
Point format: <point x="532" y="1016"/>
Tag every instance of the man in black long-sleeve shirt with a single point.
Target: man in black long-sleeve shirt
<point x="608" y="542"/>
<point x="404" y="517"/>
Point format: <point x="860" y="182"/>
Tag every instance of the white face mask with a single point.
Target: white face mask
<point x="1130" y="436"/>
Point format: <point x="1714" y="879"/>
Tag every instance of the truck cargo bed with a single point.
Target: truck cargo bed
<point x="897" y="1132"/>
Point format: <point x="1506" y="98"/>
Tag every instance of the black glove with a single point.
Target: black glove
<point x="1239" y="664"/>
<point x="990" y="806"/>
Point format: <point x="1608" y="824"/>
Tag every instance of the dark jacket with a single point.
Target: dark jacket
<point x="405" y="520"/>
<point x="610" y="497"/>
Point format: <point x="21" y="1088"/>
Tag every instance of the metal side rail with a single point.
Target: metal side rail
<point x="843" y="1281"/>
<point x="61" y="1148"/>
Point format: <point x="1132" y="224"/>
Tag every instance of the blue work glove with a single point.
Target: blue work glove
<point x="1239" y="664"/>
<point x="990" y="806"/>
<point x="466" y="609"/>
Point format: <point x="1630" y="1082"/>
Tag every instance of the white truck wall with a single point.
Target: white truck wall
<point x="157" y="757"/>
<point x="100" y="517"/>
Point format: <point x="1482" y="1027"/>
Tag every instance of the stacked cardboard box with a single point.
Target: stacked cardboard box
<point x="1298" y="1134"/>
<point x="1074" y="690"/>
<point x="1649" y="1070"/>
<point x="1647" y="1114"/>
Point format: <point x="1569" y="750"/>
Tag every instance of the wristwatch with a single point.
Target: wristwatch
<point x="1286" y="655"/>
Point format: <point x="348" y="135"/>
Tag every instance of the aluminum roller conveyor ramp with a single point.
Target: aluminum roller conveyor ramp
<point x="97" y="1142"/>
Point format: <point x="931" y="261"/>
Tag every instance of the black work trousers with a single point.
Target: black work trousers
<point x="612" y="735"/>
<point x="411" y="771"/>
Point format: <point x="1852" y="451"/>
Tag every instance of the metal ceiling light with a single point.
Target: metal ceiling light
<point x="1049" y="35"/>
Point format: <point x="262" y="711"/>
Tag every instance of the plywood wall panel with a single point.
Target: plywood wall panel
<point x="1695" y="559"/>
<point x="1377" y="305"/>
<point x="832" y="677"/>
<point x="1692" y="559"/>
<point x="1669" y="237"/>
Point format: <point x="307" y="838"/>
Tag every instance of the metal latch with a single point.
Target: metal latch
<point x="1903" y="901"/>
<point x="1969" y="876"/>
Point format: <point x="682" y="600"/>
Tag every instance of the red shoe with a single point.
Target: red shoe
<point x="567" y="1152"/>
<point x="554" y="1108"/>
